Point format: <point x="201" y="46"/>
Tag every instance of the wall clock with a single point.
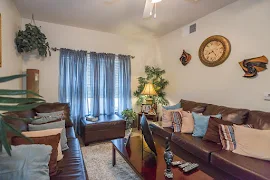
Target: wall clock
<point x="214" y="50"/>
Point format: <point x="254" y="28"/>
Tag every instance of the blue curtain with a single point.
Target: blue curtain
<point x="72" y="83"/>
<point x="124" y="80"/>
<point x="102" y="77"/>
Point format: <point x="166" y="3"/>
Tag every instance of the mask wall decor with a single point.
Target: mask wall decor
<point x="252" y="66"/>
<point x="185" y="58"/>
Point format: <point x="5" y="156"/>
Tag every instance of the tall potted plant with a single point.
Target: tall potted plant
<point x="10" y="103"/>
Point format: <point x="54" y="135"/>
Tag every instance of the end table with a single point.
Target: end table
<point x="148" y="116"/>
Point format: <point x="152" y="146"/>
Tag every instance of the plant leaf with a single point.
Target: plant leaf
<point x="19" y="107"/>
<point x="27" y="120"/>
<point x="17" y="132"/>
<point x="9" y="78"/>
<point x="20" y="100"/>
<point x="16" y="92"/>
<point x="3" y="137"/>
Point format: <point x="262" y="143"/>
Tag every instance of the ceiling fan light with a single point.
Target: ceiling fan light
<point x="156" y="1"/>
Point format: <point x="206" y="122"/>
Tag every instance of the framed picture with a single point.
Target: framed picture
<point x="145" y="108"/>
<point x="0" y="40"/>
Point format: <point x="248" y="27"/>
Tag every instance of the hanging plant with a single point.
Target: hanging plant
<point x="154" y="75"/>
<point x="32" y="39"/>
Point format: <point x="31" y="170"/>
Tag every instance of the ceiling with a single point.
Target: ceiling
<point x="119" y="16"/>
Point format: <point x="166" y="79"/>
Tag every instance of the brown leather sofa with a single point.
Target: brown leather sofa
<point x="72" y="166"/>
<point x="220" y="164"/>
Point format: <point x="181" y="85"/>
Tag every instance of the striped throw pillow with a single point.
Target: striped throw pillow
<point x="227" y="137"/>
<point x="177" y="121"/>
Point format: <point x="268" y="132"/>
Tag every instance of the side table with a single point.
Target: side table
<point x="148" y="116"/>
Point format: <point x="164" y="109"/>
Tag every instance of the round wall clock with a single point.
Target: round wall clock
<point x="214" y="50"/>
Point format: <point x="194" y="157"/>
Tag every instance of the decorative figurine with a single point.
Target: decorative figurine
<point x="252" y="66"/>
<point x="185" y="58"/>
<point x="168" y="157"/>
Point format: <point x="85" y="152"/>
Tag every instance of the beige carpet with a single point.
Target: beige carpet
<point x="98" y="162"/>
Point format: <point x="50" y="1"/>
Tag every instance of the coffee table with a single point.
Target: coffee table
<point x="145" y="164"/>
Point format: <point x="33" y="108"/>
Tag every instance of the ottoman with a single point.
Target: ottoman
<point x="108" y="127"/>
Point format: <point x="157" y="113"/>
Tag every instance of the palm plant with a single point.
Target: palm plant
<point x="8" y="103"/>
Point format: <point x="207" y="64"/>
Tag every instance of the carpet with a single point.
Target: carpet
<point x="98" y="162"/>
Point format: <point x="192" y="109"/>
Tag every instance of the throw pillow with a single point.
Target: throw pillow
<point x="28" y="162"/>
<point x="187" y="122"/>
<point x="48" y="132"/>
<point x="177" y="106"/>
<point x="201" y="124"/>
<point x="252" y="142"/>
<point x="167" y="117"/>
<point x="52" y="140"/>
<point x="212" y="133"/>
<point x="177" y="121"/>
<point x="53" y="125"/>
<point x="227" y="138"/>
<point x="48" y="117"/>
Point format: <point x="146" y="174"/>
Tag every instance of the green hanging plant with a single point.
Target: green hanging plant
<point x="11" y="104"/>
<point x="154" y="75"/>
<point x="32" y="39"/>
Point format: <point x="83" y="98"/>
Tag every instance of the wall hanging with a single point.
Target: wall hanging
<point x="252" y="66"/>
<point x="185" y="58"/>
<point x="214" y="50"/>
<point x="32" y="39"/>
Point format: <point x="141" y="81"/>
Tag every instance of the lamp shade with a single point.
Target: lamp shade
<point x="149" y="90"/>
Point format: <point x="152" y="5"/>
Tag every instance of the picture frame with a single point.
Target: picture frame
<point x="145" y="108"/>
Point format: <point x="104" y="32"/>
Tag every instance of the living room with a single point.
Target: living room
<point x="118" y="27"/>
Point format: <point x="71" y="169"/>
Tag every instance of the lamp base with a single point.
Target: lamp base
<point x="149" y="101"/>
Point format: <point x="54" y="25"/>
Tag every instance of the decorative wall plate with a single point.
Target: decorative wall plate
<point x="214" y="50"/>
<point x="252" y="66"/>
<point x="185" y="58"/>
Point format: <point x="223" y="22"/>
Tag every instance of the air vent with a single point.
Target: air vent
<point x="192" y="28"/>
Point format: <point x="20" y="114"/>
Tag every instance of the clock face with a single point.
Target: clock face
<point x="214" y="50"/>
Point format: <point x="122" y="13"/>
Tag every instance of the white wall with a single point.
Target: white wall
<point x="11" y="61"/>
<point x="81" y="39"/>
<point x="246" y="24"/>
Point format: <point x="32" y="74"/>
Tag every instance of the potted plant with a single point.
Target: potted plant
<point x="32" y="39"/>
<point x="8" y="103"/>
<point x="129" y="116"/>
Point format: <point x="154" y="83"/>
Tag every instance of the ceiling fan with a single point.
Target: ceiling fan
<point x="150" y="7"/>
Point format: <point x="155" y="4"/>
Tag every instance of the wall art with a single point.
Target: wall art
<point x="185" y="58"/>
<point x="252" y="66"/>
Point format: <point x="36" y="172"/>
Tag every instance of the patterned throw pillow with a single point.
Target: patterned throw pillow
<point x="227" y="137"/>
<point x="177" y="121"/>
<point x="167" y="117"/>
<point x="48" y="117"/>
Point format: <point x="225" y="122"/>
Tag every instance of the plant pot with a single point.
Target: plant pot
<point x="128" y="133"/>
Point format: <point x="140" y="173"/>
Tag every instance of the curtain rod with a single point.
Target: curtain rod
<point x="57" y="49"/>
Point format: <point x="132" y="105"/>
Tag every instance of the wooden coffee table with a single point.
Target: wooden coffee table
<point x="146" y="165"/>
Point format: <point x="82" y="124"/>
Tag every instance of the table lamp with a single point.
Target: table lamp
<point x="150" y="91"/>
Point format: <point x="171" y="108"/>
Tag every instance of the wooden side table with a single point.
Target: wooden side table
<point x="148" y="116"/>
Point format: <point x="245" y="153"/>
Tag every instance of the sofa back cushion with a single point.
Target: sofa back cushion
<point x="259" y="120"/>
<point x="193" y="106"/>
<point x="237" y="116"/>
<point x="53" y="107"/>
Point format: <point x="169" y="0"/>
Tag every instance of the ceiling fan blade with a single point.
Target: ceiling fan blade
<point x="148" y="9"/>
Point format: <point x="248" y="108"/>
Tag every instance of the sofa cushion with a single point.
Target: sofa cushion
<point x="240" y="166"/>
<point x="259" y="120"/>
<point x="72" y="166"/>
<point x="195" y="145"/>
<point x="159" y="130"/>
<point x="237" y="116"/>
<point x="52" y="107"/>
<point x="193" y="106"/>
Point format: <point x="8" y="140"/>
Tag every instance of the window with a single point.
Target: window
<point x="90" y="85"/>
